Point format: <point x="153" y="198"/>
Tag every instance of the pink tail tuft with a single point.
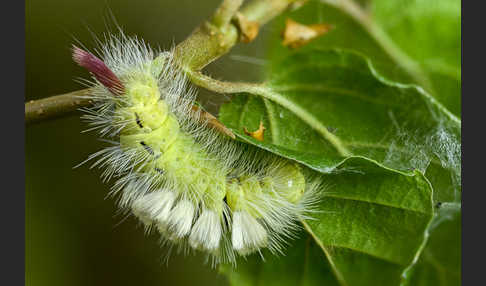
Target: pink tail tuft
<point x="98" y="68"/>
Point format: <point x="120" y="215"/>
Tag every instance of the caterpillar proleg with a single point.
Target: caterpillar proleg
<point x="195" y="186"/>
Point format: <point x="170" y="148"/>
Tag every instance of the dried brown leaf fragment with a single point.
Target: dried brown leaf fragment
<point x="248" y="29"/>
<point x="296" y="35"/>
<point x="257" y="134"/>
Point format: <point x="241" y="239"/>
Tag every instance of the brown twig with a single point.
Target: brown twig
<point x="56" y="106"/>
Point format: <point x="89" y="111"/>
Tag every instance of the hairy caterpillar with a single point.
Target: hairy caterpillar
<point x="196" y="187"/>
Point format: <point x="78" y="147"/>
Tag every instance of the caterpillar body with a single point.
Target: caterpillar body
<point x="198" y="188"/>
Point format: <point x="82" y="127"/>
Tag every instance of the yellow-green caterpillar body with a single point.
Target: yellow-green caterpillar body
<point x="198" y="188"/>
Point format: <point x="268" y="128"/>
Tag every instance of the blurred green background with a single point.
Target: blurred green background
<point x="73" y="234"/>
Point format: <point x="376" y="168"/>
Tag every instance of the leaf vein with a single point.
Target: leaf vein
<point x="377" y="203"/>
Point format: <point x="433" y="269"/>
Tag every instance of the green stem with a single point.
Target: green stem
<point x="210" y="40"/>
<point x="215" y="38"/>
<point x="225" y="12"/>
<point x="266" y="10"/>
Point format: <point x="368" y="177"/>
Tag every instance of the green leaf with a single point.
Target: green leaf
<point x="440" y="262"/>
<point x="407" y="40"/>
<point x="304" y="264"/>
<point x="325" y="105"/>
<point x="370" y="227"/>
<point x="373" y="140"/>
